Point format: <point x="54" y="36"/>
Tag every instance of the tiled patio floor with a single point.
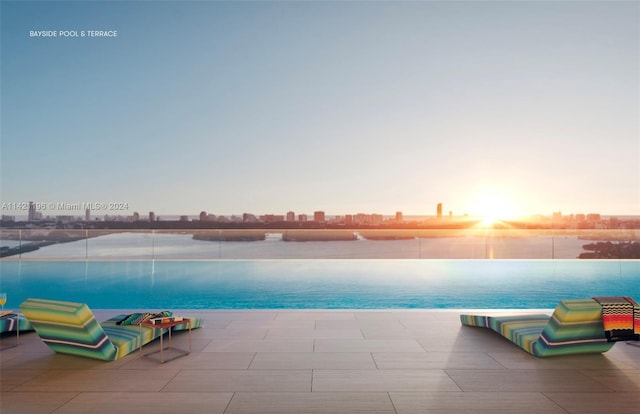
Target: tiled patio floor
<point x="299" y="361"/>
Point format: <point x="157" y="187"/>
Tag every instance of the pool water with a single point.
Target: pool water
<point x="318" y="284"/>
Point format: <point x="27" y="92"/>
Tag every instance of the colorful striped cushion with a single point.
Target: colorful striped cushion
<point x="619" y="315"/>
<point x="574" y="328"/>
<point x="139" y="317"/>
<point x="195" y="323"/>
<point x="69" y="328"/>
<point x="127" y="338"/>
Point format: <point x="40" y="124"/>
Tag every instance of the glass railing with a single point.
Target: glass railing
<point x="52" y="244"/>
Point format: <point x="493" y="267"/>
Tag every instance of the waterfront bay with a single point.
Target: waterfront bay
<point x="146" y="245"/>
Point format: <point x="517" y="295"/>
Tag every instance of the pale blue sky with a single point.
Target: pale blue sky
<point x="346" y="107"/>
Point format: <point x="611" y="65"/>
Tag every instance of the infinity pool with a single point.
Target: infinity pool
<point x="316" y="284"/>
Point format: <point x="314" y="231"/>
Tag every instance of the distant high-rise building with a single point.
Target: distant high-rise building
<point x="361" y="218"/>
<point x="32" y="211"/>
<point x="203" y="216"/>
<point x="87" y="215"/>
<point x="439" y="210"/>
<point x="152" y="216"/>
<point x="593" y="217"/>
<point x="318" y="216"/>
<point x="136" y="216"/>
<point x="376" y="219"/>
<point x="399" y="216"/>
<point x="272" y="218"/>
<point x="302" y="217"/>
<point x="184" y="218"/>
<point x="65" y="219"/>
<point x="267" y="218"/>
<point x="291" y="216"/>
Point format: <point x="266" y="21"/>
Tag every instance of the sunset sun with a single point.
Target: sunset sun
<point x="493" y="207"/>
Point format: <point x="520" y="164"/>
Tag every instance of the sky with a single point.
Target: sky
<point x="527" y="107"/>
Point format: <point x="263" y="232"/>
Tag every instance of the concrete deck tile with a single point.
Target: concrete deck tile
<point x="523" y="360"/>
<point x="147" y="403"/>
<point x="312" y="360"/>
<point x="596" y="402"/>
<point x="235" y="332"/>
<point x="10" y="379"/>
<point x="239" y="315"/>
<point x="264" y="345"/>
<point x="240" y="380"/>
<point x="315" y="315"/>
<point x="383" y="332"/>
<point x="53" y="361"/>
<point x="473" y="402"/>
<point x="625" y="355"/>
<point x="33" y="402"/>
<point x="358" y="324"/>
<point x="310" y="403"/>
<point x="198" y="360"/>
<point x="98" y="380"/>
<point x="620" y="380"/>
<point x="382" y="380"/>
<point x="305" y="333"/>
<point x="367" y="345"/>
<point x="376" y="316"/>
<point x="525" y="380"/>
<point x="434" y="360"/>
<point x="275" y="323"/>
<point x="458" y="343"/>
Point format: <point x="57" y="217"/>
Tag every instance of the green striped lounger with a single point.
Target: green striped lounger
<point x="574" y="328"/>
<point x="71" y="328"/>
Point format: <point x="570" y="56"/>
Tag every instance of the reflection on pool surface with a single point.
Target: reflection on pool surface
<point x="318" y="284"/>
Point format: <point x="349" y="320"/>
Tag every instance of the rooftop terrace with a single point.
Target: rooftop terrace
<point x="322" y="361"/>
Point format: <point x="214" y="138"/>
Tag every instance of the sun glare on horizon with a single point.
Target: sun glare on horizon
<point x="492" y="207"/>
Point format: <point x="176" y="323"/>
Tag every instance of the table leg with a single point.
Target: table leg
<point x="13" y="321"/>
<point x="176" y="352"/>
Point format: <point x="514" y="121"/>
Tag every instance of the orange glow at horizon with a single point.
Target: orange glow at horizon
<point x="494" y="206"/>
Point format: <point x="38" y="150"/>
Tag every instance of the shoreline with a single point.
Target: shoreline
<point x="260" y="244"/>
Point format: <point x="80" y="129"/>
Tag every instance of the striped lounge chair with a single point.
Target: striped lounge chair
<point x="71" y="328"/>
<point x="576" y="327"/>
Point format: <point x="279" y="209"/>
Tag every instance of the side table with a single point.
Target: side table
<point x="10" y="322"/>
<point x="177" y="353"/>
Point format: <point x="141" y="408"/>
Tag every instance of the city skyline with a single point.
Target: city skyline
<point x="86" y="212"/>
<point x="502" y="108"/>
